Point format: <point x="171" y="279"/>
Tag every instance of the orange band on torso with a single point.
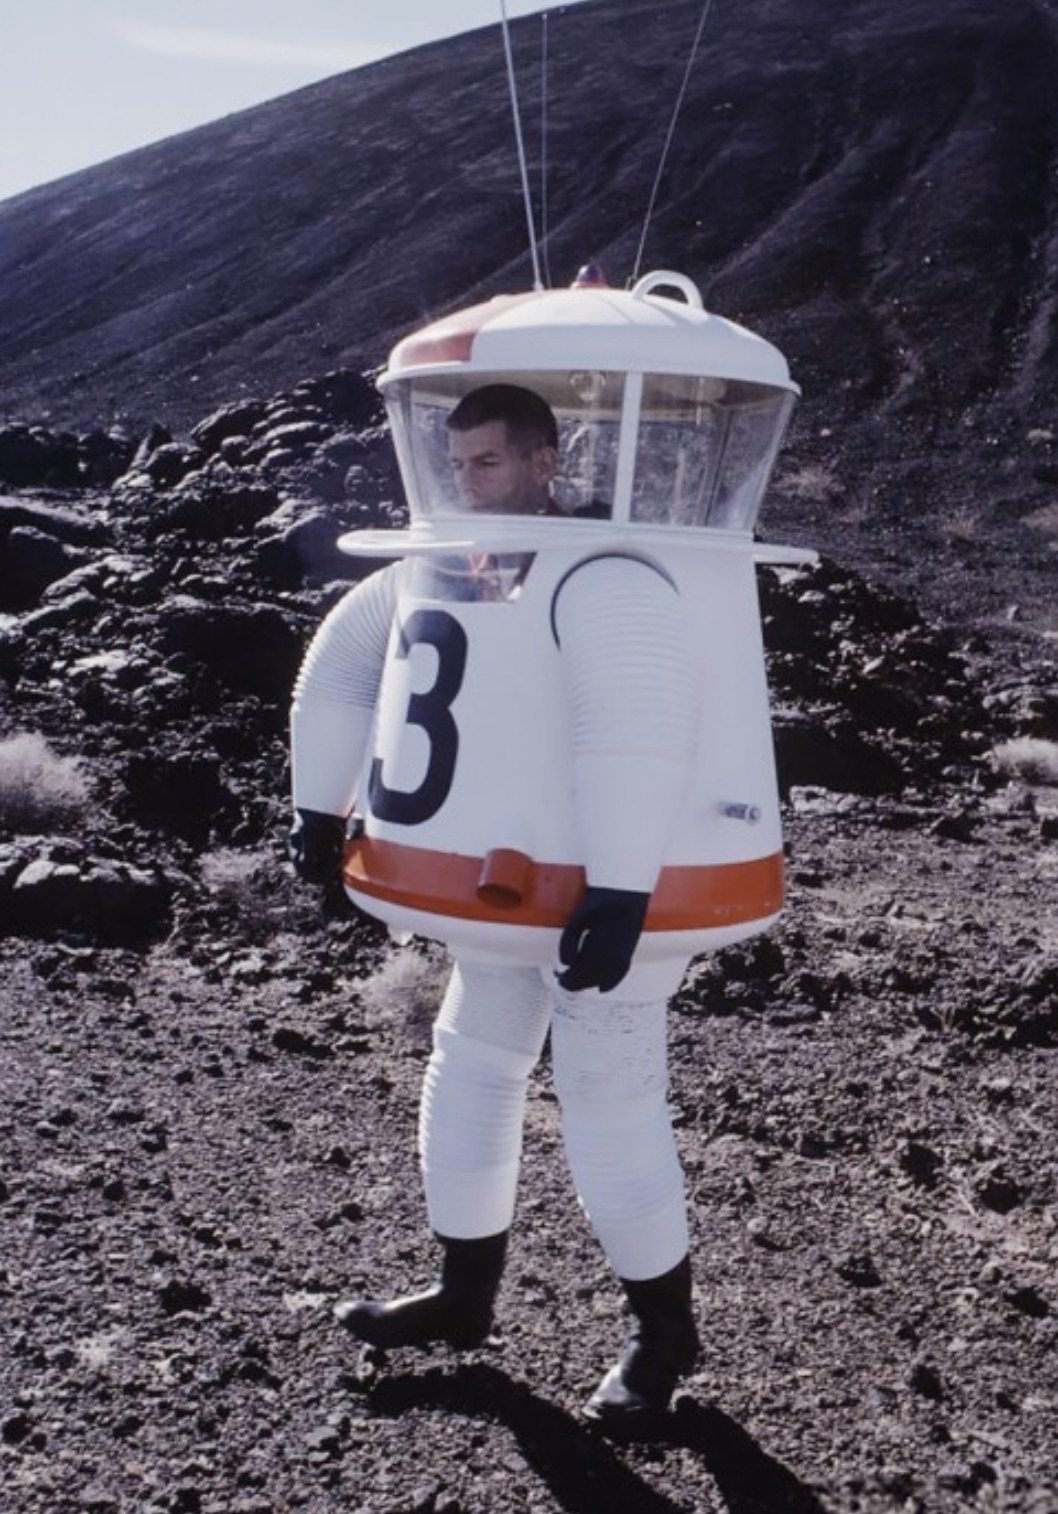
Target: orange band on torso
<point x="447" y="883"/>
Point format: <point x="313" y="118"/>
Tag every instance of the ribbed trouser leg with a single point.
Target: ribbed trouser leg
<point x="611" y="1080"/>
<point x="487" y="1040"/>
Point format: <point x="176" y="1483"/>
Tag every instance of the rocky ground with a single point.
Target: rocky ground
<point x="209" y="1075"/>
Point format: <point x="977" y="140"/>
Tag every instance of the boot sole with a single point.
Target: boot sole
<point x="628" y="1424"/>
<point x="391" y="1333"/>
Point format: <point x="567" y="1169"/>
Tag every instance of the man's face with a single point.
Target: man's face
<point x="493" y="474"/>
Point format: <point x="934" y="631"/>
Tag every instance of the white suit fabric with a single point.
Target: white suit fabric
<point x="628" y="675"/>
<point x="609" y="1066"/>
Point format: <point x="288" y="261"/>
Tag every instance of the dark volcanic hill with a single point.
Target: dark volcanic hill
<point x="872" y="185"/>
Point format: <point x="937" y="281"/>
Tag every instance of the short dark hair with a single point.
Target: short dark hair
<point x="530" y="420"/>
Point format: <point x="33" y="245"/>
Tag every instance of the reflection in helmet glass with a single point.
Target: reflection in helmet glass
<point x="703" y="451"/>
<point x="706" y="448"/>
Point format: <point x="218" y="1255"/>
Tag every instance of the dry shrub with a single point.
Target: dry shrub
<point x="253" y="894"/>
<point x="1044" y="519"/>
<point x="232" y="874"/>
<point x="39" y="790"/>
<point x="813" y="481"/>
<point x="962" y="527"/>
<point x="407" y="986"/>
<point x="1029" y="758"/>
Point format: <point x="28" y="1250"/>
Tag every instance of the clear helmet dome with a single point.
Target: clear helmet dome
<point x="669" y="418"/>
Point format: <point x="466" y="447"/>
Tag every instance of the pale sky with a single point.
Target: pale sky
<point x="84" y="80"/>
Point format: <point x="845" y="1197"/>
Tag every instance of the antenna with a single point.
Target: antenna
<point x="538" y="282"/>
<point x="545" y="230"/>
<point x="668" y="139"/>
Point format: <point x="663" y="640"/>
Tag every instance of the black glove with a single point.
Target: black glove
<point x="316" y="843"/>
<point x="600" y="938"/>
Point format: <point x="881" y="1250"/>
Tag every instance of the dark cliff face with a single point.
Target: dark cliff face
<point x="872" y="185"/>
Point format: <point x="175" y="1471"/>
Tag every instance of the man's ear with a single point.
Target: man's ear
<point x="545" y="463"/>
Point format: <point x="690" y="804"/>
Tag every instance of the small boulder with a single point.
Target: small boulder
<point x="236" y="419"/>
<point x="106" y="900"/>
<point x="32" y="561"/>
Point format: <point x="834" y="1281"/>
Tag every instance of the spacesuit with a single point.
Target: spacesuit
<point x="544" y="760"/>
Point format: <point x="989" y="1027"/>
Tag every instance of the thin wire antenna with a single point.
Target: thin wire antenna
<point x="538" y="282"/>
<point x="544" y="166"/>
<point x="706" y="7"/>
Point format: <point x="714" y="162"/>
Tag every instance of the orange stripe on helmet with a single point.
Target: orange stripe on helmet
<point x="451" y="339"/>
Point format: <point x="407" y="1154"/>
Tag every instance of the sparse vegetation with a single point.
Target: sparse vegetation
<point x="39" y="790"/>
<point x="812" y="481"/>
<point x="1045" y="519"/>
<point x="232" y="875"/>
<point x="252" y="893"/>
<point x="1029" y="758"/>
<point x="962" y="528"/>
<point x="407" y="985"/>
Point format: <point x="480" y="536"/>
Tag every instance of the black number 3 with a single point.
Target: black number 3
<point x="431" y="711"/>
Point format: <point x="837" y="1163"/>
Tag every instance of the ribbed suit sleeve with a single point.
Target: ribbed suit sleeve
<point x="335" y="695"/>
<point x="630" y="676"/>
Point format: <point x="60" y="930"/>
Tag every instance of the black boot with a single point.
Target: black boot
<point x="457" y="1309"/>
<point x="662" y="1347"/>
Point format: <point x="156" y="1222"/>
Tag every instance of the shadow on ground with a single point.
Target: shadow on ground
<point x="583" y="1471"/>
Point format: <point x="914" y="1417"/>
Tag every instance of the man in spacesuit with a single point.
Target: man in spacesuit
<point x="604" y="1010"/>
<point x="503" y="450"/>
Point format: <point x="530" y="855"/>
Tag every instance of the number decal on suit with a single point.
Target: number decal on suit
<point x="431" y="711"/>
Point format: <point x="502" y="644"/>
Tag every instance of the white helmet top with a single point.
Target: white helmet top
<point x="669" y="418"/>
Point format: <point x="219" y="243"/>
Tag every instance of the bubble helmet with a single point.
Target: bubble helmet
<point x="578" y="696"/>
